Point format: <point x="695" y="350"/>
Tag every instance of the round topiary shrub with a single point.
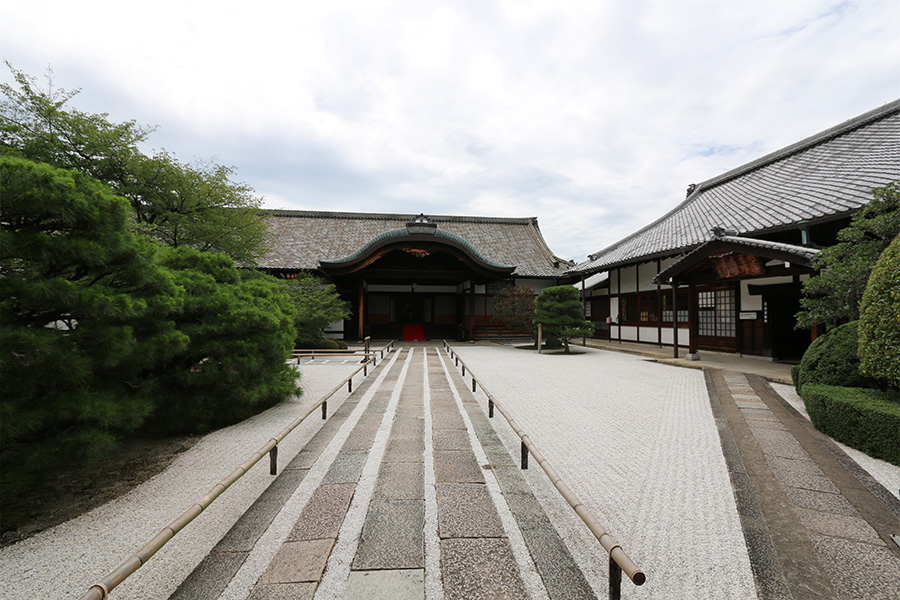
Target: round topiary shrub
<point x="832" y="360"/>
<point x="879" y="320"/>
<point x="342" y="345"/>
<point x="328" y="344"/>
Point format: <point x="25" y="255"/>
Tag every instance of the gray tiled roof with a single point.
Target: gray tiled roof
<point x="300" y="239"/>
<point x="777" y="250"/>
<point x="827" y="175"/>
<point x="799" y="251"/>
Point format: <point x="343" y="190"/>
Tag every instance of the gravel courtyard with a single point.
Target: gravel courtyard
<point x="636" y="441"/>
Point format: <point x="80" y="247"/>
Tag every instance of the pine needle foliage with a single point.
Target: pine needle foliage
<point x="83" y="318"/>
<point x="559" y="311"/>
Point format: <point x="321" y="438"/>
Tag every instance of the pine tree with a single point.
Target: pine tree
<point x="84" y="310"/>
<point x="559" y="311"/>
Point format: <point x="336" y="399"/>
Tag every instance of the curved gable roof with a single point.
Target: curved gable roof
<point x="301" y="239"/>
<point x="822" y="177"/>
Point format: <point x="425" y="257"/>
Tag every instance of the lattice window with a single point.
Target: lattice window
<point x="683" y="310"/>
<point x="716" y="315"/>
<point x="648" y="307"/>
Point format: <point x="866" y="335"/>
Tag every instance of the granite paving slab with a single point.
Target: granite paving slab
<point x="779" y="443"/>
<point x="466" y="510"/>
<point x="480" y="568"/>
<point x="393" y="536"/>
<point x="562" y="578"/>
<point x="408" y="428"/>
<point x="406" y="584"/>
<point x="404" y="450"/>
<point x="210" y="577"/>
<point x="284" y="591"/>
<point x="297" y="562"/>
<point x="346" y="468"/>
<point x="246" y="531"/>
<point x="843" y="526"/>
<point x="323" y="514"/>
<point x="820" y="501"/>
<point x="451" y="439"/>
<point x="363" y="434"/>
<point x="447" y="420"/>
<point x="860" y="570"/>
<point x="401" y="481"/>
<point x="804" y="481"/>
<point x="455" y="466"/>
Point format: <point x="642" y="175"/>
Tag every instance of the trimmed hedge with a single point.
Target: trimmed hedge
<point x="832" y="360"/>
<point x="879" y="320"/>
<point x="865" y="419"/>
<point x="795" y="376"/>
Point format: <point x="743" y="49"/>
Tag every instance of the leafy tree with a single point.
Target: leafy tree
<point x="560" y="311"/>
<point x="835" y="293"/>
<point x="514" y="307"/>
<point x="316" y="305"/>
<point x="879" y="323"/>
<point x="196" y="205"/>
<point x="84" y="310"/>
<point x="240" y="326"/>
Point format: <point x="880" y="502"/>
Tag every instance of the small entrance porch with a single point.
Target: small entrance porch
<point x="416" y="276"/>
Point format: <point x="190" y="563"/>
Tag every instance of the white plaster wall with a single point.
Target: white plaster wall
<point x="646" y="273"/>
<point x="629" y="333"/>
<point x="668" y="337"/>
<point x="335" y="330"/>
<point x="629" y="279"/>
<point x="648" y="334"/>
<point x="749" y="302"/>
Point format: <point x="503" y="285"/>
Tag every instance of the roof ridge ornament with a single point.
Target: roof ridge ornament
<point x="718" y="232"/>
<point x="421" y="224"/>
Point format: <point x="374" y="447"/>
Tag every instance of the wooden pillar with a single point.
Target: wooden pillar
<point x="471" y="310"/>
<point x="692" y="321"/>
<point x="675" y="317"/>
<point x="583" y="339"/>
<point x="619" y="298"/>
<point x="659" y="307"/>
<point x="361" y="309"/>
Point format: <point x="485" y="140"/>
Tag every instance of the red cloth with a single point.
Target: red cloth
<point x="413" y="333"/>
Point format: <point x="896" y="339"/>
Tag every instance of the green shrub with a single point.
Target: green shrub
<point x="240" y="327"/>
<point x="328" y="344"/>
<point x="342" y="345"/>
<point x="879" y="321"/>
<point x="865" y="419"/>
<point x="832" y="360"/>
<point x="795" y="376"/>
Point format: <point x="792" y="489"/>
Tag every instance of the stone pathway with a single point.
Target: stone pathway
<point x="408" y="494"/>
<point x="816" y="526"/>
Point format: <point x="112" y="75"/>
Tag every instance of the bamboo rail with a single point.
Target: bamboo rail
<point x="101" y="589"/>
<point x="619" y="561"/>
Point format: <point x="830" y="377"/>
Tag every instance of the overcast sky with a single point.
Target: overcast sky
<point x="593" y="116"/>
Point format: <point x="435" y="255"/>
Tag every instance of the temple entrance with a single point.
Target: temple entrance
<point x="419" y="275"/>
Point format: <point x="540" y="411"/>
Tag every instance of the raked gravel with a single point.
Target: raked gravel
<point x="636" y="441"/>
<point x="63" y="562"/>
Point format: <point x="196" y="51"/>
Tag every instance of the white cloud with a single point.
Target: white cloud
<point x="592" y="116"/>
